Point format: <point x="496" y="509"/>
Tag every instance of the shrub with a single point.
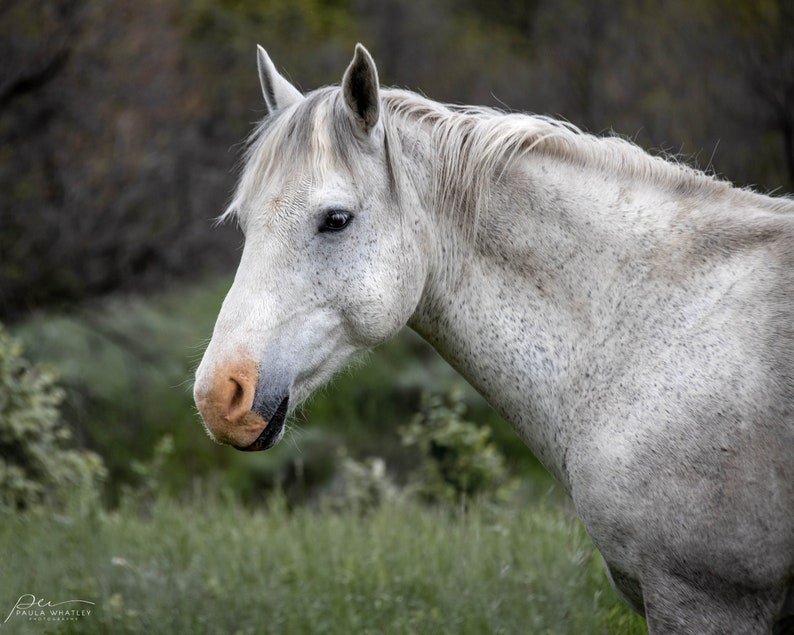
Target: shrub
<point x="361" y="486"/>
<point x="149" y="483"/>
<point x="36" y="464"/>
<point x="459" y="460"/>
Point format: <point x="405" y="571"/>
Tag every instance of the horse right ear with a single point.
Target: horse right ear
<point x="278" y="92"/>
<point x="360" y="90"/>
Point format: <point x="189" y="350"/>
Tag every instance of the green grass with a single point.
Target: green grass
<point x="213" y="566"/>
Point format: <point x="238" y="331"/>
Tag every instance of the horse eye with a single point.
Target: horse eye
<point x="335" y="220"/>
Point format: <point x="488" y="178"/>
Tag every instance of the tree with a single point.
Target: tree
<point x="106" y="182"/>
<point x="764" y="40"/>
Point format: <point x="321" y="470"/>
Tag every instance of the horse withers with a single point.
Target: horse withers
<point x="632" y="318"/>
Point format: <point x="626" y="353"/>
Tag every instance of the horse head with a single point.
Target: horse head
<point x="332" y="263"/>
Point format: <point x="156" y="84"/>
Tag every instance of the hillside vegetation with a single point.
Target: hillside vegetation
<point x="126" y="367"/>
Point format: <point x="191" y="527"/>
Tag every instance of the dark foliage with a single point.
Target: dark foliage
<point x="119" y="121"/>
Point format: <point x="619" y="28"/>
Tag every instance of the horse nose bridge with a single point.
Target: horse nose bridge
<point x="224" y="395"/>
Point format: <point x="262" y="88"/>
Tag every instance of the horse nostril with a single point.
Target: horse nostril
<point x="240" y="397"/>
<point x="225" y="399"/>
<point x="237" y="396"/>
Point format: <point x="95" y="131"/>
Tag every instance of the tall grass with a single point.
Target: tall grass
<point x="213" y="566"/>
<point x="210" y="564"/>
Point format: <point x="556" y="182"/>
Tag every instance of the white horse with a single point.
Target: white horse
<point x="632" y="318"/>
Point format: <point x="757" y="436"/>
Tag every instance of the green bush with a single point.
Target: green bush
<point x="361" y="486"/>
<point x="459" y="460"/>
<point x="36" y="465"/>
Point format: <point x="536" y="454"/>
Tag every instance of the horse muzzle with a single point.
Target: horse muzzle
<point x="234" y="409"/>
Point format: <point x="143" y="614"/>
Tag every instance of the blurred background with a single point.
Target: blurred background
<point x="120" y="129"/>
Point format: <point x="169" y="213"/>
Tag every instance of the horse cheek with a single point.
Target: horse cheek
<point x="380" y="301"/>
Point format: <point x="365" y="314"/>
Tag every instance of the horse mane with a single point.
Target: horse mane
<point x="471" y="147"/>
<point x="474" y="146"/>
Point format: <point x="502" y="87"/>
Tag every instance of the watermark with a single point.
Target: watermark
<point x="35" y="609"/>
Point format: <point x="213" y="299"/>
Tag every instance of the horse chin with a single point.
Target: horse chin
<point x="272" y="432"/>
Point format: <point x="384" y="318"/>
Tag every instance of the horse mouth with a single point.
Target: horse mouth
<point x="273" y="431"/>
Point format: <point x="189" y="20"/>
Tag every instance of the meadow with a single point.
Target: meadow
<point x="211" y="565"/>
<point x="190" y="537"/>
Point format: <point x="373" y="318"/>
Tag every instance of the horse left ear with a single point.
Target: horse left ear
<point x="276" y="90"/>
<point x="360" y="90"/>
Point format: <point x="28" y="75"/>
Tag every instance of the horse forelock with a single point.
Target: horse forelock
<point x="286" y="146"/>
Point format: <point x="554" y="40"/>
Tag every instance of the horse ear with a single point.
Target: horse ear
<point x="278" y="92"/>
<point x="360" y="90"/>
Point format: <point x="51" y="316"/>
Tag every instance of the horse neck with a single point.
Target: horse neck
<point x="517" y="307"/>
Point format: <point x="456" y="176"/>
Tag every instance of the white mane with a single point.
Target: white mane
<point x="471" y="147"/>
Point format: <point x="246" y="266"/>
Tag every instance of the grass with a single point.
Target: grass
<point x="206" y="563"/>
<point x="214" y="566"/>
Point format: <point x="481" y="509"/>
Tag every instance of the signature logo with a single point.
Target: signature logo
<point x="33" y="608"/>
